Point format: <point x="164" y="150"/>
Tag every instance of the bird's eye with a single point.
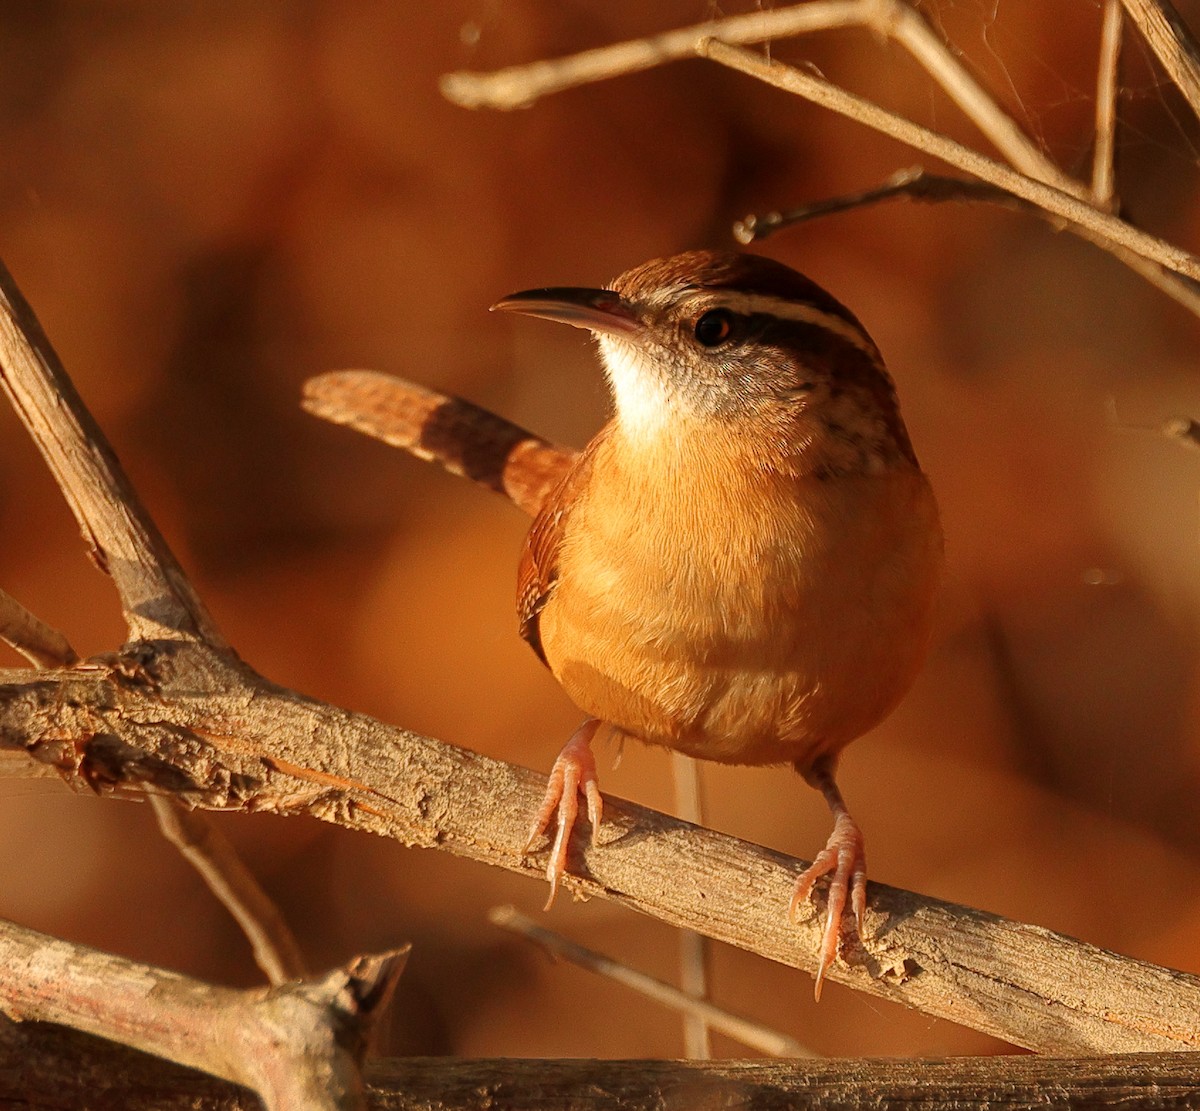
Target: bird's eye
<point x="714" y="328"/>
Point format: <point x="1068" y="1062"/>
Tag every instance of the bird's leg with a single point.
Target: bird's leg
<point x="573" y="774"/>
<point x="843" y="856"/>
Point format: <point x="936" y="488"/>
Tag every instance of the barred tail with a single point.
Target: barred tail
<point x="464" y="438"/>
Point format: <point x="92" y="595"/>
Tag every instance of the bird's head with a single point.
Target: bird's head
<point x="740" y="340"/>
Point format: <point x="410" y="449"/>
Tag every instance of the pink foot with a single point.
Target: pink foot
<point x="573" y="774"/>
<point x="843" y="857"/>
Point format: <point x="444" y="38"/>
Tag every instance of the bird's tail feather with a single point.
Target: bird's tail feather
<point x="464" y="438"/>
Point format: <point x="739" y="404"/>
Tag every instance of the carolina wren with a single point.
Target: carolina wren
<point x="742" y="564"/>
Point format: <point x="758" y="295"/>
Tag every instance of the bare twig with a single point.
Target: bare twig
<point x="1094" y="225"/>
<point x="744" y="1030"/>
<point x="1183" y="430"/>
<point x="1039" y="182"/>
<point x="207" y="850"/>
<point x="693" y="947"/>
<point x="911" y="30"/>
<point x="41" y="645"/>
<point x="1172" y="42"/>
<point x="300" y="1045"/>
<point x="1108" y="65"/>
<point x="522" y="86"/>
<point x="915" y="184"/>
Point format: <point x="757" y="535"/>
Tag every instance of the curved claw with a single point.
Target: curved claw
<point x="843" y="858"/>
<point x="573" y="774"/>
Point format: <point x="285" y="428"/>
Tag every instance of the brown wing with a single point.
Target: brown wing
<point x="537" y="572"/>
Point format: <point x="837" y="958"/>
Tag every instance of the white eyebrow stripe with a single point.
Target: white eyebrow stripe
<point x="781" y="307"/>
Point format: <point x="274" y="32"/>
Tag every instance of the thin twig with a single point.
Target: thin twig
<point x="910" y="29"/>
<point x="206" y="849"/>
<point x="1172" y="42"/>
<point x="298" y="1046"/>
<point x="1095" y="225"/>
<point x="522" y="86"/>
<point x="744" y="1030"/>
<point x="693" y="947"/>
<point x="1183" y="430"/>
<point x="40" y="644"/>
<point x="1108" y="66"/>
<point x="1156" y="261"/>
<point x="915" y="184"/>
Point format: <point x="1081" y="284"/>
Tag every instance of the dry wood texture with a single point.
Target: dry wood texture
<point x="211" y="732"/>
<point x="51" y="1067"/>
<point x="299" y="1045"/>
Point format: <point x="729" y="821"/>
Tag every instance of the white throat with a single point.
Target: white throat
<point x="645" y="408"/>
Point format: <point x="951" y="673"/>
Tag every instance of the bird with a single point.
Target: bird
<point x="741" y="566"/>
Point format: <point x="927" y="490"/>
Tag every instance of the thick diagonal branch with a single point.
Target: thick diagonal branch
<point x="156" y="596"/>
<point x="220" y="737"/>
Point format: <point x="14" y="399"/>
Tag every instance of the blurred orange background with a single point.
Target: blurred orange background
<point x="208" y="203"/>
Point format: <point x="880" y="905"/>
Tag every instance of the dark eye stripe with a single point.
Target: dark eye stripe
<point x="799" y="312"/>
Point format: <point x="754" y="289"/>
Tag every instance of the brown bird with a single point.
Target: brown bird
<point x="741" y="565"/>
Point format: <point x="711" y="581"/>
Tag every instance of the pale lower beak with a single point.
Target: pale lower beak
<point x="597" y="310"/>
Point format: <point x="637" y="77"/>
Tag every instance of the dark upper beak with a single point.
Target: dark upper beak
<point x="598" y="310"/>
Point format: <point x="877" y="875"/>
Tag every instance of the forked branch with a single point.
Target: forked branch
<point x="1030" y="177"/>
<point x="299" y="1045"/>
<point x="1086" y="220"/>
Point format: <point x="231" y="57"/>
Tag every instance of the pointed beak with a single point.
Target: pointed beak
<point x="597" y="310"/>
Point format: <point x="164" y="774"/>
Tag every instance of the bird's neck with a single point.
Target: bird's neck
<point x="856" y="429"/>
<point x="846" y="435"/>
<point x="849" y="424"/>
